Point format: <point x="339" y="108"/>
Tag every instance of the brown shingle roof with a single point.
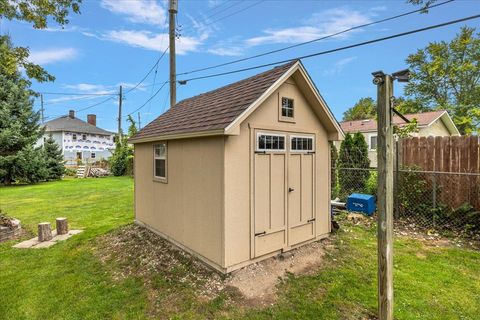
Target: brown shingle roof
<point x="423" y="119"/>
<point x="214" y="109"/>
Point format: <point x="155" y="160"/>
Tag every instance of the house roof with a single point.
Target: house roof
<point x="424" y="119"/>
<point x="66" y="123"/>
<point x="218" y="110"/>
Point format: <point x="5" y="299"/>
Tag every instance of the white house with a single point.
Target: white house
<point x="79" y="140"/>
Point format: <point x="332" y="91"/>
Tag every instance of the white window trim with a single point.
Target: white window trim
<point x="281" y="117"/>
<point x="302" y="136"/>
<point x="271" y="134"/>
<point x="370" y="141"/>
<point x="155" y="177"/>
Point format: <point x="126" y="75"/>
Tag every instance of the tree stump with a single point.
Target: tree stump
<point x="44" y="232"/>
<point x="62" y="226"/>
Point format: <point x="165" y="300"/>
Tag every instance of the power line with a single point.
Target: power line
<point x="206" y="18"/>
<point x="149" y="99"/>
<point x="148" y="73"/>
<point x="96" y="104"/>
<point x="314" y="40"/>
<point x="73" y="99"/>
<point x="229" y="15"/>
<point x="338" y="49"/>
<point x="77" y="94"/>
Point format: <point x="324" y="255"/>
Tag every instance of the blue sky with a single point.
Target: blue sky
<point x="115" y="42"/>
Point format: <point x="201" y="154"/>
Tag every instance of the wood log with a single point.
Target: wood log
<point x="44" y="232"/>
<point x="62" y="225"/>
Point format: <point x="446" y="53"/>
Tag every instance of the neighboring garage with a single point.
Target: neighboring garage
<point x="239" y="173"/>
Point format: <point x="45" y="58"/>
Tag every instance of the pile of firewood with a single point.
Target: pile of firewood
<point x="98" y="172"/>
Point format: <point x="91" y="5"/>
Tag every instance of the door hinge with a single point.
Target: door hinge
<point x="311" y="220"/>
<point x="260" y="233"/>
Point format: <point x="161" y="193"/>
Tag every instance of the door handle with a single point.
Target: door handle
<point x="291" y="189"/>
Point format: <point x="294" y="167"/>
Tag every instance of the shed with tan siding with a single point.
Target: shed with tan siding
<point x="240" y="173"/>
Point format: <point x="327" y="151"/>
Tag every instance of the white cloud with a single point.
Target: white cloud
<point x="85" y="87"/>
<point x="319" y="25"/>
<point x="140" y="11"/>
<point x="338" y="66"/>
<point x="154" y="41"/>
<point x="49" y="56"/>
<point x="227" y="51"/>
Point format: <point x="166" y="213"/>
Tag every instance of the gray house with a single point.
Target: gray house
<point x="79" y="140"/>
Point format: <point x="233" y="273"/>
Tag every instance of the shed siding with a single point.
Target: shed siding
<point x="237" y="169"/>
<point x="189" y="208"/>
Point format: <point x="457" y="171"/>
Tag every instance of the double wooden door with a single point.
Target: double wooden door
<point x="284" y="190"/>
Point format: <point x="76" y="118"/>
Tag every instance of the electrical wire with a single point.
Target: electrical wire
<point x="337" y="49"/>
<point x="148" y="73"/>
<point x="94" y="105"/>
<point x="206" y="18"/>
<point x="77" y="94"/>
<point x="227" y="16"/>
<point x="314" y="40"/>
<point x="149" y="99"/>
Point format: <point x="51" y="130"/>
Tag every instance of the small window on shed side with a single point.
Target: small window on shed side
<point x="160" y="161"/>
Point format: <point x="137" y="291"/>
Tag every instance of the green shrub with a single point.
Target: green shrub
<point x="70" y="172"/>
<point x="372" y="183"/>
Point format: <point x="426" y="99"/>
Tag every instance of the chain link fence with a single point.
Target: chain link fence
<point x="443" y="201"/>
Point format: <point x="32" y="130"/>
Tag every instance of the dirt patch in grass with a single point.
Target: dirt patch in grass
<point x="257" y="282"/>
<point x="173" y="278"/>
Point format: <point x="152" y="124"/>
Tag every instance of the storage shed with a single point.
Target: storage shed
<point x="240" y="173"/>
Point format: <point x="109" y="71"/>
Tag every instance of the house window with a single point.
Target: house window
<point x="84" y="137"/>
<point x="298" y="143"/>
<point x="270" y="142"/>
<point x="160" y="160"/>
<point x="373" y="142"/>
<point x="74" y="136"/>
<point x="92" y="155"/>
<point x="287" y="107"/>
<point x="79" y="155"/>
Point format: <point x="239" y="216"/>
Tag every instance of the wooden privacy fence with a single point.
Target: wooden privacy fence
<point x="451" y="165"/>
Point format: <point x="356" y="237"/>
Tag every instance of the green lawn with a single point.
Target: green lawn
<point x="68" y="280"/>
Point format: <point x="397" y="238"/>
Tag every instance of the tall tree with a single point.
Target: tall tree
<point x="19" y="124"/>
<point x="53" y="159"/>
<point x="353" y="163"/>
<point x="446" y="75"/>
<point x="36" y="12"/>
<point x="365" y="108"/>
<point x="333" y="168"/>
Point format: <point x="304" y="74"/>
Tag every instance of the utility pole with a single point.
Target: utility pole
<point x="385" y="160"/>
<point x="42" y="109"/>
<point x="139" y="123"/>
<point x="120" y="98"/>
<point x="172" y="11"/>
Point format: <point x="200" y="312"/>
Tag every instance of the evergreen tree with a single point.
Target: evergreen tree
<point x="361" y="161"/>
<point x="54" y="159"/>
<point x="30" y="165"/>
<point x="353" y="155"/>
<point x="343" y="162"/>
<point x="333" y="175"/>
<point x="19" y="128"/>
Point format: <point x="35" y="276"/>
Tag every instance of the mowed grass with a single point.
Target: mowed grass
<point x="68" y="281"/>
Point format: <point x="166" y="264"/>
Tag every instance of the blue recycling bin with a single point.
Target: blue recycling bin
<point x="364" y="203"/>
